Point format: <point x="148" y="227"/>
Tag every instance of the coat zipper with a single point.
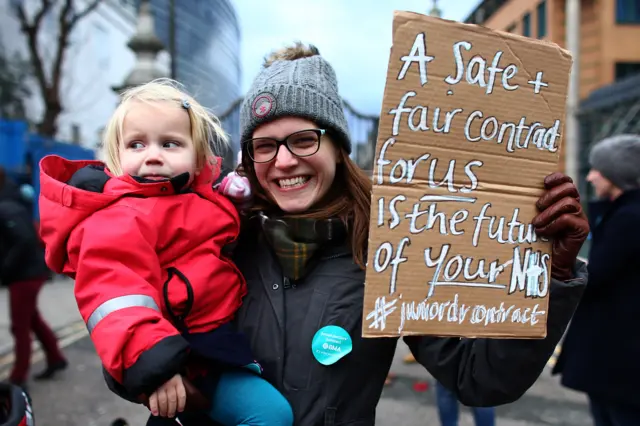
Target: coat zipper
<point x="285" y="283"/>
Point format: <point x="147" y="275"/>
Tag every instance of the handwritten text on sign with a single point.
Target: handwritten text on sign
<point x="470" y="125"/>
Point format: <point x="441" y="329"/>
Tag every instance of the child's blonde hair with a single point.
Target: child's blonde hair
<point x="206" y="131"/>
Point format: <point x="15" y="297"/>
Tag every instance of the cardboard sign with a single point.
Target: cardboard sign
<point x="471" y="123"/>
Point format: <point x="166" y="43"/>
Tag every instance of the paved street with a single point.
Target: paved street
<point x="56" y="304"/>
<point x="79" y="397"/>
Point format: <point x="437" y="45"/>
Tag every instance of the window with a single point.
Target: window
<point x="542" y="19"/>
<point x="628" y="11"/>
<point x="625" y="69"/>
<point x="526" y="25"/>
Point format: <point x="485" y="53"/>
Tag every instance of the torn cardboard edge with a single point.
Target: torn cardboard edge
<point x="385" y="318"/>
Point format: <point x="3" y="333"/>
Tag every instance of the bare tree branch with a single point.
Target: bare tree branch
<point x="31" y="30"/>
<point x="45" y="6"/>
<point x="63" y="41"/>
<point x="67" y="21"/>
<point x="50" y="87"/>
<point x="87" y="10"/>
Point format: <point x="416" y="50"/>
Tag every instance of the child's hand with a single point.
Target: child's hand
<point x="237" y="188"/>
<point x="169" y="399"/>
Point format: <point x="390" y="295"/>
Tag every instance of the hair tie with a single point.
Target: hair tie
<point x="186" y="104"/>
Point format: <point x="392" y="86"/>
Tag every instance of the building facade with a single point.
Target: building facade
<point x="609" y="61"/>
<point x="609" y="30"/>
<point x="96" y="59"/>
<point x="207" y="48"/>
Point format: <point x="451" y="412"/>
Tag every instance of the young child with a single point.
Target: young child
<point x="145" y="239"/>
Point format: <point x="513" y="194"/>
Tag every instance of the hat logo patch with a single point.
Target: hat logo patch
<point x="262" y="105"/>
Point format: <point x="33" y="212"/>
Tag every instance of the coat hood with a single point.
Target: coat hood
<point x="70" y="191"/>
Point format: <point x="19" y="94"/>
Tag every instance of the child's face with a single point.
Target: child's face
<point x="156" y="142"/>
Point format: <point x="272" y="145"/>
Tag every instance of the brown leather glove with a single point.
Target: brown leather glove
<point x="196" y="401"/>
<point x="562" y="220"/>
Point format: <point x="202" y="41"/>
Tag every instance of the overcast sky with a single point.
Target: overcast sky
<point x="353" y="35"/>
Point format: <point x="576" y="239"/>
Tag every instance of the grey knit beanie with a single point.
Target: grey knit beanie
<point x="618" y="159"/>
<point x="305" y="87"/>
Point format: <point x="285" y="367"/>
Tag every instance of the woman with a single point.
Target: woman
<point x="305" y="269"/>
<point x="599" y="354"/>
<point x="23" y="270"/>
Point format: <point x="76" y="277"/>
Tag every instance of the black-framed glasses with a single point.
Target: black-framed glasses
<point x="301" y="144"/>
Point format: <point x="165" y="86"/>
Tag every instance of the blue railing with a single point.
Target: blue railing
<point x="21" y="152"/>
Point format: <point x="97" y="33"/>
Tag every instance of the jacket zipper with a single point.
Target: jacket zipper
<point x="285" y="285"/>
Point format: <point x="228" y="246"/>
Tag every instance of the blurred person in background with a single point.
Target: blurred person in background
<point x="448" y="404"/>
<point x="449" y="409"/>
<point x="10" y="189"/>
<point x="601" y="352"/>
<point x="23" y="270"/>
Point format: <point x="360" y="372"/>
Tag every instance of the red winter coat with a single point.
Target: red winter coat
<point x="147" y="262"/>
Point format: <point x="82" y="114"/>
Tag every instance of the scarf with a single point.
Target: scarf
<point x="295" y="241"/>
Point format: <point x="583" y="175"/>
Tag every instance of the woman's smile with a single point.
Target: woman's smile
<point x="293" y="183"/>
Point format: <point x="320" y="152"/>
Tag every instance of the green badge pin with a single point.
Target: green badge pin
<point x="330" y="344"/>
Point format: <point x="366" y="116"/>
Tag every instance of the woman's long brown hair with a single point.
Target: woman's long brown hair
<point x="348" y="199"/>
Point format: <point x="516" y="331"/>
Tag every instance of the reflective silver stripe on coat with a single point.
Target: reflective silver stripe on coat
<point x="117" y="303"/>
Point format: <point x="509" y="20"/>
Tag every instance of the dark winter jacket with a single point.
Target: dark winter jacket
<point x="10" y="190"/>
<point x="21" y="251"/>
<point x="280" y="320"/>
<point x="601" y="351"/>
